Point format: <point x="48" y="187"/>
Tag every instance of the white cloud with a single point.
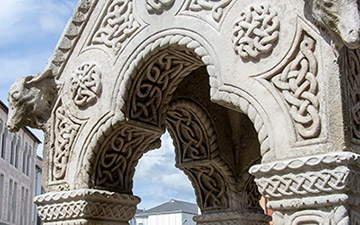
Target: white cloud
<point x="20" y="19"/>
<point x="54" y="15"/>
<point x="157" y="180"/>
<point x="11" y="12"/>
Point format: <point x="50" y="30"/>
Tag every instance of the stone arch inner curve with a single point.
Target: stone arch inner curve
<point x="155" y="96"/>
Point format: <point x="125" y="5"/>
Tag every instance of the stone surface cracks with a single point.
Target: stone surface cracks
<point x="256" y="31"/>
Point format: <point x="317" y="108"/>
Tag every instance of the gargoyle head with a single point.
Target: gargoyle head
<point x="341" y="17"/>
<point x="30" y="101"/>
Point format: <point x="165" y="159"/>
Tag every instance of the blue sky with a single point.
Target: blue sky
<point x="29" y="31"/>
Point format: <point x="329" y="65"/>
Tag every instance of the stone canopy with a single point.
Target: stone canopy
<point x="260" y="98"/>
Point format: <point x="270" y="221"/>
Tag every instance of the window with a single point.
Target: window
<point x="28" y="162"/>
<point x="3" y="143"/>
<point x="1" y="193"/>
<point x="22" y="213"/>
<point x="12" y="151"/>
<point x="1" y="137"/>
<point x="14" y="203"/>
<point x="26" y="206"/>
<point x="24" y="159"/>
<point x="17" y="149"/>
<point x="9" y="200"/>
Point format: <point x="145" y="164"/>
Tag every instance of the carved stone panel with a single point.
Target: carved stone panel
<point x="194" y="136"/>
<point x="86" y="206"/>
<point x="298" y="85"/>
<point x="119" y="155"/>
<point x="352" y="72"/>
<point x="66" y="128"/>
<point x="155" y="83"/>
<point x="158" y="6"/>
<point x="118" y="23"/>
<point x="212" y="189"/>
<point x="211" y="11"/>
<point x="256" y="31"/>
<point x="86" y="84"/>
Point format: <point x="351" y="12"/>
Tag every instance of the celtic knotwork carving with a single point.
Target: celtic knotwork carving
<point x="197" y="148"/>
<point x="66" y="129"/>
<point x="119" y="156"/>
<point x="117" y="25"/>
<point x="325" y="160"/>
<point x="156" y="82"/>
<point x="86" y="84"/>
<point x="213" y="192"/>
<point x="233" y="218"/>
<point x="256" y="31"/>
<point x="158" y="6"/>
<point x="352" y="67"/>
<point x="299" y="87"/>
<point x="309" y="183"/>
<point x="192" y="130"/>
<point x="215" y="6"/>
<point x="85" y="203"/>
<point x="251" y="195"/>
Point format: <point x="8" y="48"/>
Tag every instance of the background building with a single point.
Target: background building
<point x="18" y="161"/>
<point x="170" y="213"/>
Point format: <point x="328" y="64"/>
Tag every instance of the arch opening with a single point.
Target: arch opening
<point x="215" y="146"/>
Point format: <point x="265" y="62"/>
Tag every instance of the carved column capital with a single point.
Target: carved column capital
<point x="323" y="183"/>
<point x="235" y="217"/>
<point x="86" y="206"/>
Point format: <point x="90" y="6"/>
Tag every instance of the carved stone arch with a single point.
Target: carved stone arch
<point x="199" y="154"/>
<point x="243" y="102"/>
<point x="166" y="39"/>
<point x="266" y="75"/>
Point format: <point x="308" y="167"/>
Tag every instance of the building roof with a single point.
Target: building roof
<point x="27" y="130"/>
<point x="172" y="206"/>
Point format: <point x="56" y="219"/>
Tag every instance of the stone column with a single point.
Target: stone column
<point x="86" y="206"/>
<point x="235" y="217"/>
<point x="320" y="189"/>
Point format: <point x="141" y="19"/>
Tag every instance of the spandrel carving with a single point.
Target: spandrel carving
<point x="256" y="31"/>
<point x="86" y="84"/>
<point x="158" y="6"/>
<point x="216" y="7"/>
<point x="117" y="25"/>
<point x="66" y="129"/>
<point x="299" y="87"/>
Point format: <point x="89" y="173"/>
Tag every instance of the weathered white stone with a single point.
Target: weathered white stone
<point x="236" y="83"/>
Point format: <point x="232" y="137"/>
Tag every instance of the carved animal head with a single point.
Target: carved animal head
<point x="30" y="100"/>
<point x="341" y="17"/>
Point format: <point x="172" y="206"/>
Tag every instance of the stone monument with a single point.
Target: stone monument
<point x="261" y="97"/>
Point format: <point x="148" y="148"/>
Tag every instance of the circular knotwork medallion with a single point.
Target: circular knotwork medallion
<point x="86" y="84"/>
<point x="256" y="31"/>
